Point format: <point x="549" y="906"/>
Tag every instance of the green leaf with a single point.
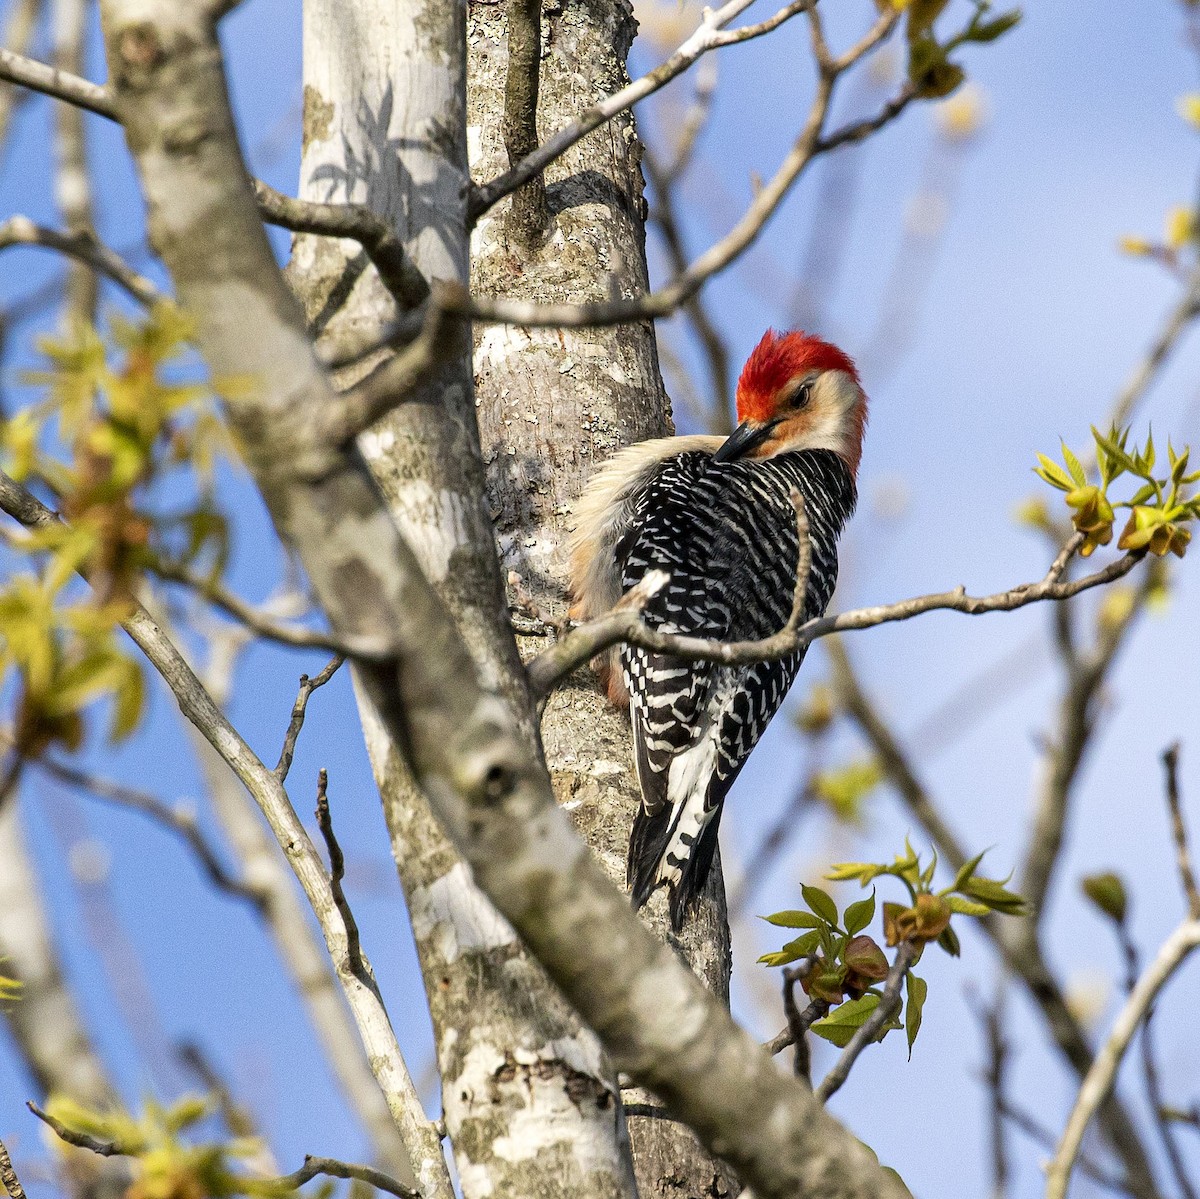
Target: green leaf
<point x="1074" y="466"/>
<point x="994" y="894"/>
<point x="844" y="1021"/>
<point x="989" y="31"/>
<point x="821" y="903"/>
<point x="949" y="941"/>
<point x="917" y="988"/>
<point x="793" y="951"/>
<point x="1140" y="496"/>
<point x="864" y="872"/>
<point x="792" y="918"/>
<point x="966" y="870"/>
<point x="1054" y="474"/>
<point x="966" y="907"/>
<point x="1107" y="892"/>
<point x="860" y="914"/>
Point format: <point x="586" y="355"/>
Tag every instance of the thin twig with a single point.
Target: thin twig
<point x="62" y="85"/>
<point x="21" y="231"/>
<point x="707" y="37"/>
<point x="356" y="222"/>
<point x="81" y="1140"/>
<point x="254" y="619"/>
<point x="1098" y="1083"/>
<point x="337" y="871"/>
<point x="335" y="1169"/>
<point x="590" y="639"/>
<point x="299" y="708"/>
<point x="8" y="1175"/>
<point x="175" y="819"/>
<point x="237" y="1118"/>
<point x="991" y="1019"/>
<point x="1043" y="1136"/>
<point x="1183" y="857"/>
<point x="799" y="1022"/>
<point x="888" y="1006"/>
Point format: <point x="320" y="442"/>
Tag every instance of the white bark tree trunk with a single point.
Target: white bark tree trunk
<point x="530" y="1104"/>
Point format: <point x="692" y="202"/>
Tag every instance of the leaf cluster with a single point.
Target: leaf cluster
<point x="1159" y="509"/>
<point x="930" y="70"/>
<point x="846" y="965"/>
<point x="109" y="439"/>
<point x="166" y="1165"/>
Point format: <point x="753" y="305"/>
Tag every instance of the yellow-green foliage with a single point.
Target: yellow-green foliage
<point x="847" y="965"/>
<point x="1159" y="509"/>
<point x="110" y="428"/>
<point x="930" y="70"/>
<point x="165" y="1165"/>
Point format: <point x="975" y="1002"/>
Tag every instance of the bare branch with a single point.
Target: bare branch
<point x="353" y="221"/>
<point x="704" y="39"/>
<point x="8" y="1176"/>
<point x="592" y="638"/>
<point x="21" y="231"/>
<point x="1098" y="1083"/>
<point x="888" y="1006"/>
<point x="299" y="709"/>
<point x="62" y="85"/>
<point x="799" y="1022"/>
<point x="1144" y="374"/>
<point x="1187" y="876"/>
<point x="394" y="381"/>
<point x="254" y="619"/>
<point x="176" y="819"/>
<point x="81" y="1140"/>
<point x="716" y="351"/>
<point x="337" y="871"/>
<point x="314" y="1166"/>
<point x="528" y="217"/>
<point x="1064" y="756"/>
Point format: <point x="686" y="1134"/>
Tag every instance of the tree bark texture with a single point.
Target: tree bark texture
<point x="530" y="1103"/>
<point x="552" y="406"/>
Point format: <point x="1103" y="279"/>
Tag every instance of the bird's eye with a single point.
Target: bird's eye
<point x="803" y="394"/>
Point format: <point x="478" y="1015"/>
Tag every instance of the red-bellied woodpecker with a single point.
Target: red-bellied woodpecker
<point x="717" y="516"/>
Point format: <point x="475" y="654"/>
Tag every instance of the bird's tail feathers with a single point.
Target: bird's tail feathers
<point x="647" y="844"/>
<point x="684" y="894"/>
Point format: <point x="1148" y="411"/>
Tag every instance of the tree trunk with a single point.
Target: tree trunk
<point x="46" y="1024"/>
<point x="530" y="1104"/>
<point x="552" y="405"/>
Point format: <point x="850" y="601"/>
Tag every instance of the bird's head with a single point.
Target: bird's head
<point x="797" y="392"/>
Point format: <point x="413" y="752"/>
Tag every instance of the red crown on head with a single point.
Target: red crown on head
<point x="775" y="361"/>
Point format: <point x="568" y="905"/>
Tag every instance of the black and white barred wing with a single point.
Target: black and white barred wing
<point x="726" y="535"/>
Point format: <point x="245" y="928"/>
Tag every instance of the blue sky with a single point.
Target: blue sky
<point x="1030" y="321"/>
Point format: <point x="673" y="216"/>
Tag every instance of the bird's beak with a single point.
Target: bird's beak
<point x="743" y="439"/>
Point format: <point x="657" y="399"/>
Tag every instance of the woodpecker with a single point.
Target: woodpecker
<point x="716" y="515"/>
